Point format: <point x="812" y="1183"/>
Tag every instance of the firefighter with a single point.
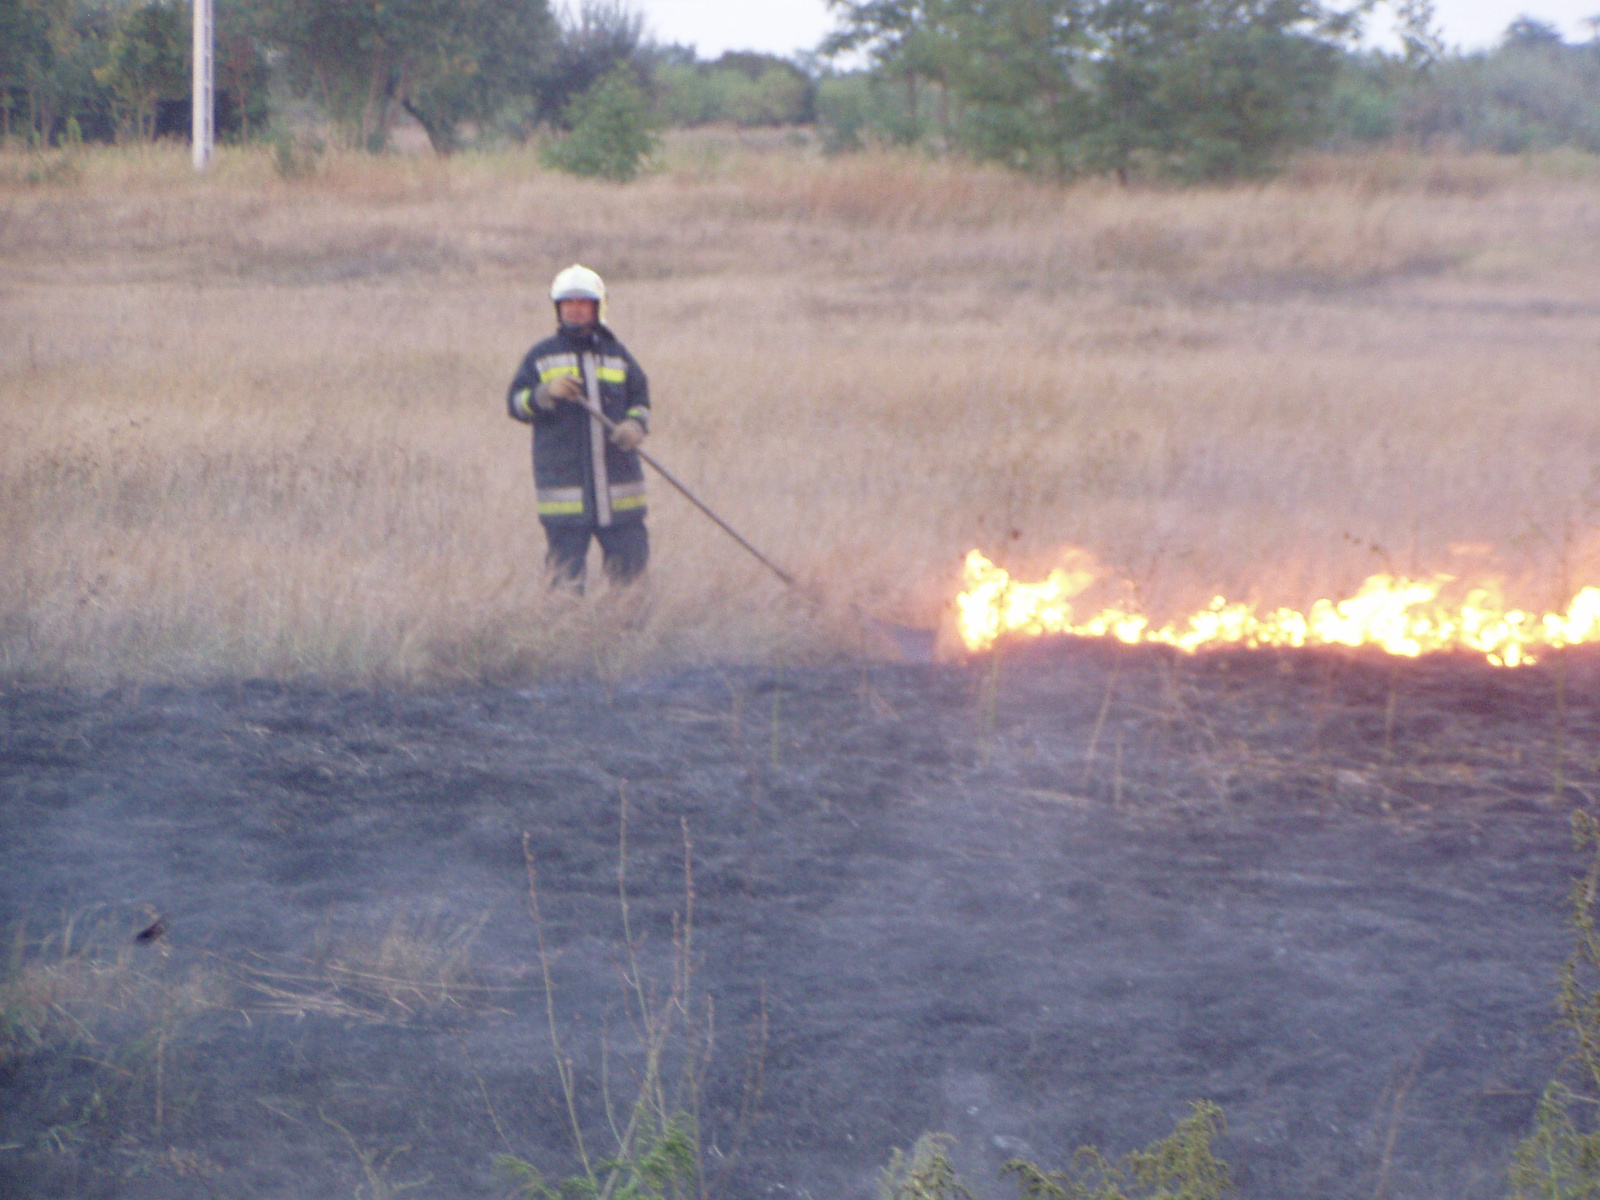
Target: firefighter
<point x="588" y="483"/>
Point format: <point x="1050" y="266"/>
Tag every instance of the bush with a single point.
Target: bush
<point x="295" y="154"/>
<point x="742" y="89"/>
<point x="611" y="130"/>
<point x="1363" y="106"/>
<point x="1524" y="96"/>
<point x="855" y="108"/>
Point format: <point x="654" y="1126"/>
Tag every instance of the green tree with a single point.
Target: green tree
<point x="1019" y="73"/>
<point x="611" y="135"/>
<point x="26" y="55"/>
<point x="1243" y="83"/>
<point x="493" y="56"/>
<point x="48" y="52"/>
<point x="1421" y="39"/>
<point x="1531" y="92"/>
<point x="596" y="38"/>
<point x="241" y="77"/>
<point x="445" y="61"/>
<point x="147" y="61"/>
<point x="1193" y="88"/>
<point x="909" y="40"/>
<point x="741" y="87"/>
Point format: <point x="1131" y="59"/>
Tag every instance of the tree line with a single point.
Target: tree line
<point x="1187" y="89"/>
<point x="1192" y="88"/>
<point x="100" y="69"/>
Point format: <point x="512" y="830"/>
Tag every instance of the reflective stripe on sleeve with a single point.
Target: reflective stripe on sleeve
<point x="522" y="402"/>
<point x="639" y="413"/>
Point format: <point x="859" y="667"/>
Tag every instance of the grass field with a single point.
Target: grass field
<point x="253" y="426"/>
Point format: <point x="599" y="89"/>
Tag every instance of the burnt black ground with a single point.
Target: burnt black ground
<point x="1032" y="905"/>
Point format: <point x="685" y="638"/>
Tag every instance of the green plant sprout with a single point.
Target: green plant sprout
<point x="656" y="1151"/>
<point x="1180" y="1166"/>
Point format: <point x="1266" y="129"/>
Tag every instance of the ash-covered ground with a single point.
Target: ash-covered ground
<point x="1032" y="905"/>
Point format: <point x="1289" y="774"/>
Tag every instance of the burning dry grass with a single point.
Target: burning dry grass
<point x="255" y="426"/>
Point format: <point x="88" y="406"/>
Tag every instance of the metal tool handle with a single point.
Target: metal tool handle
<point x="610" y="426"/>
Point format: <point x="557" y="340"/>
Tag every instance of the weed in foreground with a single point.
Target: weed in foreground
<point x="1560" y="1160"/>
<point x="1180" y="1166"/>
<point x="376" y="1182"/>
<point x="655" y="1139"/>
<point x="925" y="1174"/>
<point x="91" y="1019"/>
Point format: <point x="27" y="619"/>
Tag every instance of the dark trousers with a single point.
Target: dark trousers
<point x="625" y="547"/>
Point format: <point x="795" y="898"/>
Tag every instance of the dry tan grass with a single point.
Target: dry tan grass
<point x="90" y="983"/>
<point x="88" y="988"/>
<point x="250" y="426"/>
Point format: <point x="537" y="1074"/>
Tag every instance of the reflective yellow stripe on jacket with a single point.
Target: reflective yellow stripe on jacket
<point x="553" y="366"/>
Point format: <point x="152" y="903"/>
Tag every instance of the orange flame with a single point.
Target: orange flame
<point x="1400" y="616"/>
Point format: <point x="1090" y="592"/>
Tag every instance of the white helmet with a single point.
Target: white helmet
<point x="579" y="283"/>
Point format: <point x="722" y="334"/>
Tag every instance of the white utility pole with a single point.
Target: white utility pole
<point x="203" y="103"/>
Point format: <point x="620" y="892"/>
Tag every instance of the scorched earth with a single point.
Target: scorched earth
<point x="1031" y="902"/>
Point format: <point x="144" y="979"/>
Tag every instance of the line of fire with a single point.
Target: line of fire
<point x="1400" y="616"/>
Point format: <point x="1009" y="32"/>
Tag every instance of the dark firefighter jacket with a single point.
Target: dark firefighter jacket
<point x="580" y="477"/>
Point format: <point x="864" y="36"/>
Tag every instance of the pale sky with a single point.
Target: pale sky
<point x="785" y="26"/>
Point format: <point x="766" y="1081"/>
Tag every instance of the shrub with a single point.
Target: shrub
<point x="761" y="91"/>
<point x="611" y="130"/>
<point x="294" y="154"/>
<point x="854" y="109"/>
<point x="1526" y="95"/>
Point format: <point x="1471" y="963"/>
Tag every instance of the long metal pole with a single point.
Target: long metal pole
<point x="202" y="101"/>
<point x="610" y="427"/>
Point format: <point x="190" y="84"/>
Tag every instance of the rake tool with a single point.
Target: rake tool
<point x="910" y="643"/>
<point x="610" y="426"/>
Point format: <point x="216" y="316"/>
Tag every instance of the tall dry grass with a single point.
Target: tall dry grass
<point x="254" y="426"/>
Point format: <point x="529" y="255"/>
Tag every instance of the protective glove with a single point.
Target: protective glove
<point x="627" y="435"/>
<point x="562" y="387"/>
